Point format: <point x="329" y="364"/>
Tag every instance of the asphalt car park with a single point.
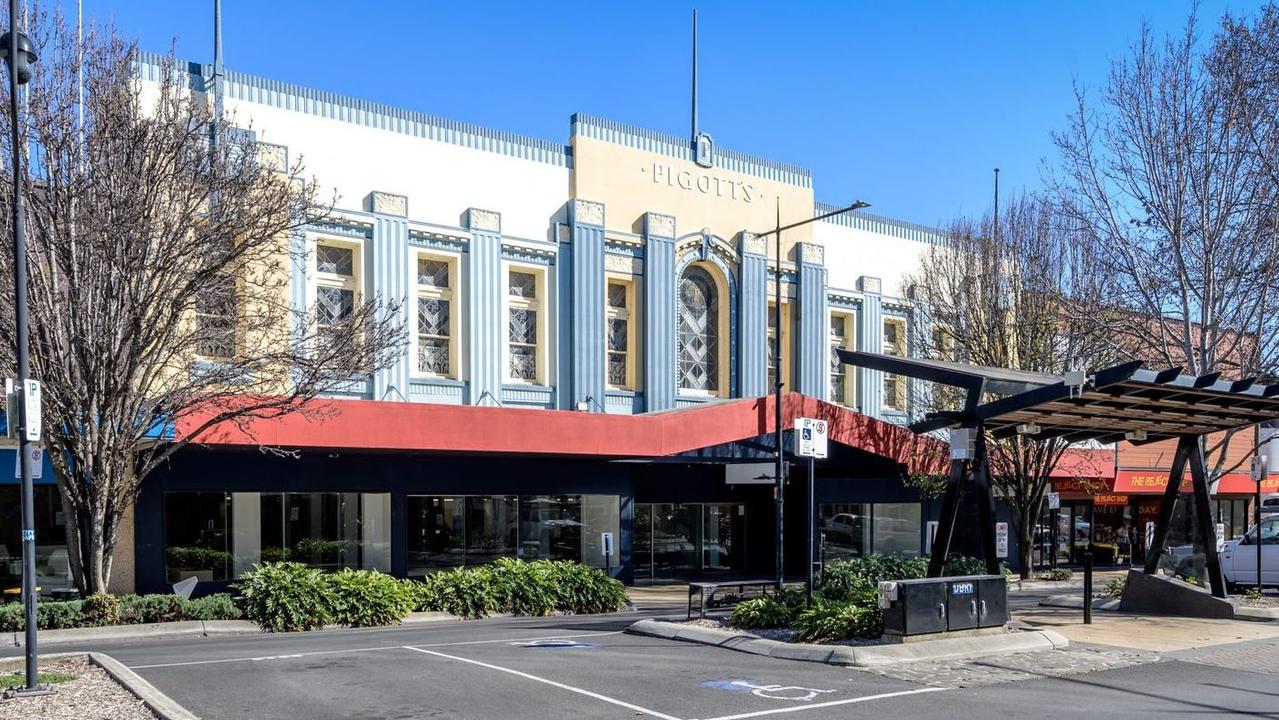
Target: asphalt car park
<point x="507" y="670"/>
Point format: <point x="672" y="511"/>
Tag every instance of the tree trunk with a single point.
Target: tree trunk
<point x="1025" y="541"/>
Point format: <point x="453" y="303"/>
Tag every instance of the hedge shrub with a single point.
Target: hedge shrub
<point x="152" y="608"/>
<point x="522" y="588"/>
<point x="102" y="609"/>
<point x="826" y="621"/>
<point x="288" y="596"/>
<point x="583" y="590"/>
<point x="762" y="612"/>
<point x="465" y="592"/>
<point x="212" y="607"/>
<point x="362" y="598"/>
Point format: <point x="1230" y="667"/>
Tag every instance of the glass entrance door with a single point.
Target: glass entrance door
<point x="682" y="540"/>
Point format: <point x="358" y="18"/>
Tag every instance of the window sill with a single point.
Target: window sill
<point x="436" y="380"/>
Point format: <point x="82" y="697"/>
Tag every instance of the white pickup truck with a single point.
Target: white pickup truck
<point x="1239" y="557"/>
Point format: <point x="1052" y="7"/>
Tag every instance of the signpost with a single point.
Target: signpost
<point x="810" y="442"/>
<point x="606" y="547"/>
<point x="1054" y="501"/>
<point x="1001" y="539"/>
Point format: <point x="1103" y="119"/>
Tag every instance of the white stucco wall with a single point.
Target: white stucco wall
<point x="853" y="252"/>
<point x="441" y="180"/>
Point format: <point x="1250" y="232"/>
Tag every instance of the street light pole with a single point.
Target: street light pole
<point x="779" y="469"/>
<point x="19" y="54"/>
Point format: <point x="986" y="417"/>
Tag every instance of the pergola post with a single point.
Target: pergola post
<point x="1167" y="505"/>
<point x="946" y="522"/>
<point x="1207" y="524"/>
<point x="985" y="504"/>
<point x="1189" y="451"/>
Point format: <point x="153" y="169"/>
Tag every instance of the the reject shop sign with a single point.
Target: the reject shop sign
<point x="1153" y="482"/>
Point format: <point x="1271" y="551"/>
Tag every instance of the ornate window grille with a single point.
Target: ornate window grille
<point x="337" y="284"/>
<point x="894" y="344"/>
<point x="618" y="335"/>
<point x="522" y="325"/>
<point x="434" y="316"/>
<point x="698" y="331"/>
<point x="215" y="317"/>
<point x="839" y="337"/>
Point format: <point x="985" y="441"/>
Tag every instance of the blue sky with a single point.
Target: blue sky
<point x="906" y="104"/>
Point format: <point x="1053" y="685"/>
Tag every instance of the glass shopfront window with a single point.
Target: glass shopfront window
<point x="53" y="565"/>
<point x="220" y="536"/>
<point x="860" y="529"/>
<point x="455" y="531"/>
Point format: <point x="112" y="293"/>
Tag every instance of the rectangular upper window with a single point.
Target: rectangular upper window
<point x="337" y="282"/>
<point x="842" y="337"/>
<point x="525" y="322"/>
<point x="215" y="317"/>
<point x="435" y="321"/>
<point x="894" y="397"/>
<point x="619" y="334"/>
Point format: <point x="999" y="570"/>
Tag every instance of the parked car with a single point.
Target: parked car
<point x="1239" y="557"/>
<point x="1270" y="505"/>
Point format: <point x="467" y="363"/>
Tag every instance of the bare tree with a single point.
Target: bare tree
<point x="1006" y="293"/>
<point x="1163" y="177"/>
<point x="159" y="272"/>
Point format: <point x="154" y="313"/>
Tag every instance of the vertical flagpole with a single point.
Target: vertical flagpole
<point x="694" y="128"/>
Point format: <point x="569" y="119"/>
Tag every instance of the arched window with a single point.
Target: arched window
<point x="698" y="332"/>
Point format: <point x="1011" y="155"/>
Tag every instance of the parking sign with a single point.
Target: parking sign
<point x="810" y="437"/>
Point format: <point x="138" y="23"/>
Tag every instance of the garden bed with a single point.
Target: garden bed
<point x="82" y="691"/>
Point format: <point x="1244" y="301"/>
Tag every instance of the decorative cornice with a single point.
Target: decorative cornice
<point x="274" y="93"/>
<point x="342" y="226"/>
<point x="586" y="212"/>
<point x="385" y="203"/>
<point x="484" y="220"/>
<point x="753" y="244"/>
<point x="880" y="224"/>
<point x="679" y="147"/>
<point x="659" y="225"/>
<point x="843" y="300"/>
<point x="437" y="241"/>
<point x="522" y="253"/>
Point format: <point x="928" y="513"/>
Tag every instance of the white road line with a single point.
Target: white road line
<point x="361" y="650"/>
<point x="545" y="681"/>
<point x="832" y="703"/>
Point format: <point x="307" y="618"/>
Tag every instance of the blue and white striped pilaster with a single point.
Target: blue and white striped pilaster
<point x="586" y="222"/>
<point x="386" y="270"/>
<point x="752" y="326"/>
<point x="870" y="338"/>
<point x="812" y="376"/>
<point x="659" y="312"/>
<point x="486" y="329"/>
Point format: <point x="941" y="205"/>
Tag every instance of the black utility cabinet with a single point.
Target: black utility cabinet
<point x="933" y="605"/>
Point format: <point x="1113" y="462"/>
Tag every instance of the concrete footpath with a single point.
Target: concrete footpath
<point x="1160" y="633"/>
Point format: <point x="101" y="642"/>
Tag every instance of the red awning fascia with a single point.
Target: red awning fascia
<point x="428" y="427"/>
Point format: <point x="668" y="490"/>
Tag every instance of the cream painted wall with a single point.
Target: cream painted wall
<point x="852" y="253"/>
<point x="631" y="182"/>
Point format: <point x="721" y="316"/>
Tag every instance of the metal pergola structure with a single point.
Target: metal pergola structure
<point x="1123" y="402"/>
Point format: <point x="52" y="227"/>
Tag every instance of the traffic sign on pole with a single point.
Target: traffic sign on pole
<point x="810" y="437"/>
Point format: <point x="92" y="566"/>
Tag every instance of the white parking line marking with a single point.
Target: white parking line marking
<point x="367" y="649"/>
<point x="832" y="703"/>
<point x="545" y="681"/>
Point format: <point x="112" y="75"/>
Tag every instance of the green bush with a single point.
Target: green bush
<point x="582" y="589"/>
<point x="1115" y="588"/>
<point x="59" y="615"/>
<point x="284" y="597"/>
<point x="363" y="598"/>
<point x="102" y="609"/>
<point x="212" y="607"/>
<point x="762" y="612"/>
<point x="961" y="565"/>
<point x="151" y="608"/>
<point x="198" y="557"/>
<point x="11" y="617"/>
<point x="839" y="621"/>
<point x="847" y="580"/>
<point x="1057" y="574"/>
<point x="465" y="592"/>
<point x="522" y="588"/>
<point x="420" y="595"/>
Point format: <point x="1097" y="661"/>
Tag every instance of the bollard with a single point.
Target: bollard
<point x="1088" y="588"/>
